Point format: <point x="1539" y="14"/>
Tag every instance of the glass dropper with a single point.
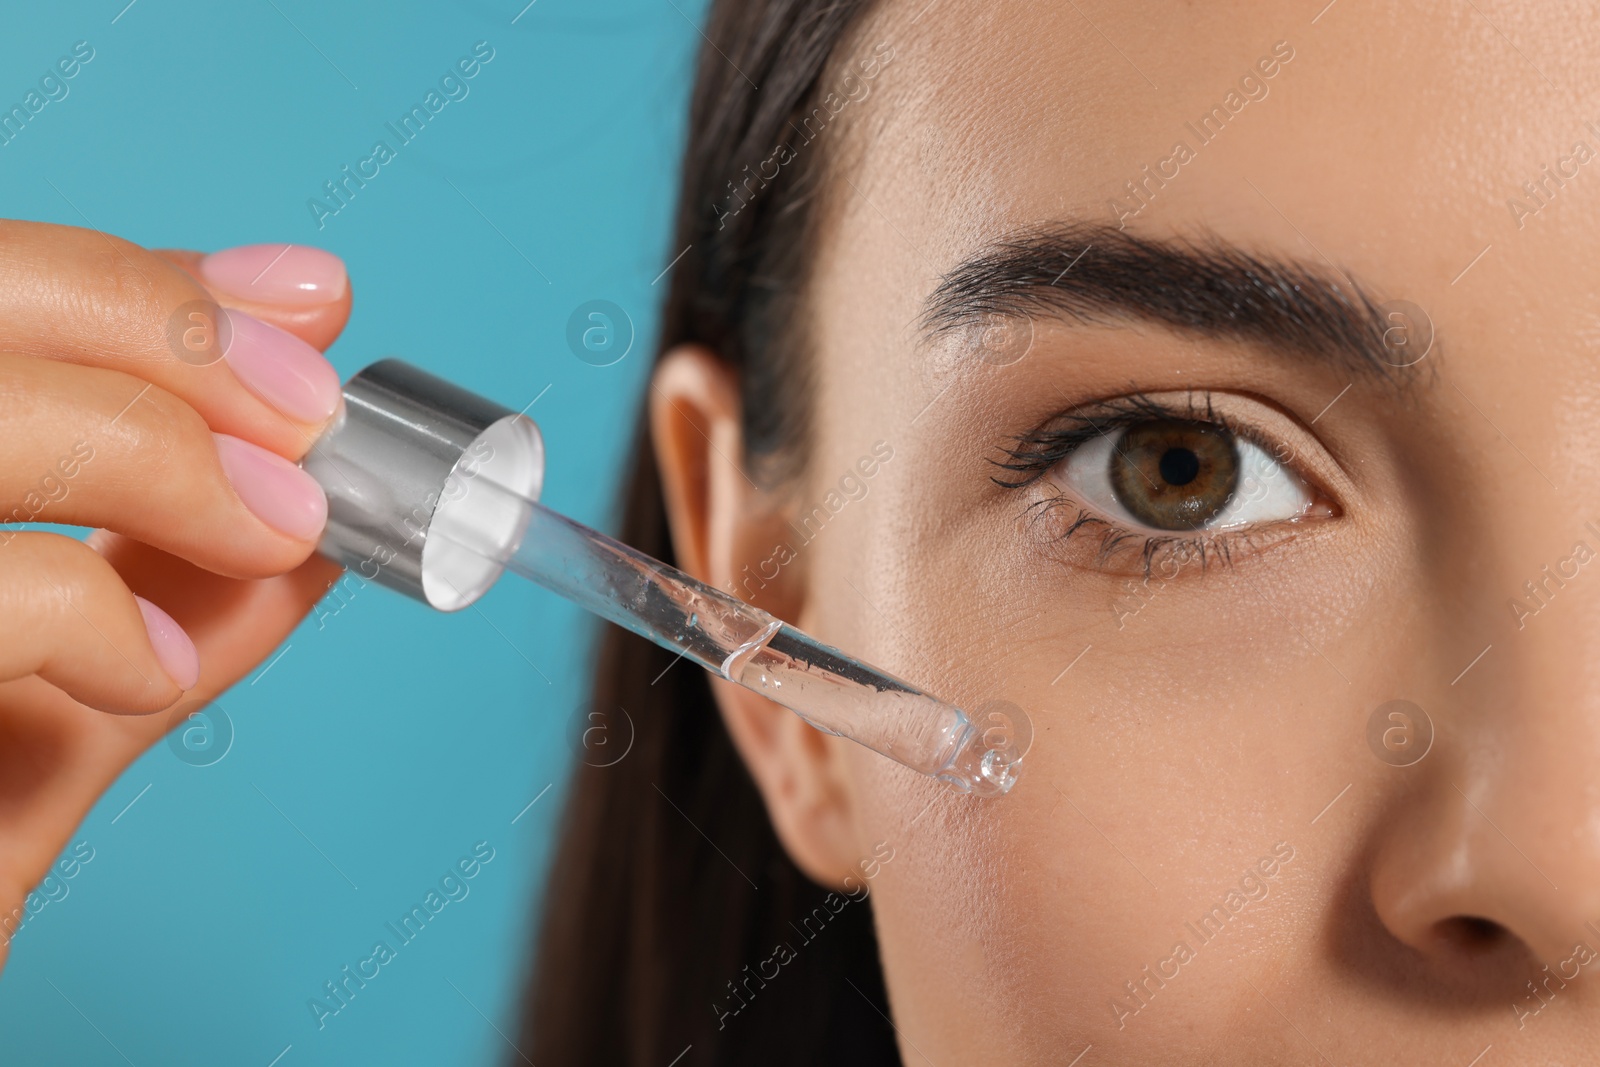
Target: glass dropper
<point x="433" y="491"/>
<point x="834" y="692"/>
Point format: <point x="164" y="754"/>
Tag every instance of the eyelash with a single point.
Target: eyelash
<point x="1035" y="453"/>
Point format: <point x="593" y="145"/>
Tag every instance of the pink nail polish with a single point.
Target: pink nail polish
<point x="291" y="376"/>
<point x="280" y="494"/>
<point x="277" y="274"/>
<point x="174" y="651"/>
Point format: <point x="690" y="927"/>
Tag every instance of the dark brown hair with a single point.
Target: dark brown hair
<point x="669" y="892"/>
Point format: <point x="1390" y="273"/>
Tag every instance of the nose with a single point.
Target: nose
<point x="1495" y="848"/>
<point x="1476" y="872"/>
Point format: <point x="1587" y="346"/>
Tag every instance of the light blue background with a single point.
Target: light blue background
<point x="384" y="743"/>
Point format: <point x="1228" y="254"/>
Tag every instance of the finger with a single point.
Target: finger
<point x="153" y="470"/>
<point x="87" y="297"/>
<point x="58" y="756"/>
<point x="83" y="631"/>
<point x="235" y="624"/>
<point x="296" y="288"/>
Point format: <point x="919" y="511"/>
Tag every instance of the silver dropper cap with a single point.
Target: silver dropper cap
<point x="397" y="466"/>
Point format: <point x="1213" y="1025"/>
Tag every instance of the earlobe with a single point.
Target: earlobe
<point x="724" y="527"/>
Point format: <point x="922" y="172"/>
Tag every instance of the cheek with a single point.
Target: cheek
<point x="975" y="951"/>
<point x="1168" y="757"/>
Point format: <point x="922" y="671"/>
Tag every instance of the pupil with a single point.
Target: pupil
<point x="1179" y="466"/>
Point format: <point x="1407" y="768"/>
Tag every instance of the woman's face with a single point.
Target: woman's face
<point x="1225" y="847"/>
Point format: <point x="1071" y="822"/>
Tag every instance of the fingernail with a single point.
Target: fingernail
<point x="280" y="494"/>
<point x="281" y="369"/>
<point x="174" y="651"/>
<point x="277" y="274"/>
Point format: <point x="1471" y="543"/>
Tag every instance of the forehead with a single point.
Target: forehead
<point x="1393" y="143"/>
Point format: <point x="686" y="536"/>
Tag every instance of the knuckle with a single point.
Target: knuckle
<point x="70" y="570"/>
<point x="65" y="577"/>
<point x="164" y="428"/>
<point x="132" y="295"/>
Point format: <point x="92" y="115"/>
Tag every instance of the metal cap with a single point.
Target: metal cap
<point x="396" y="465"/>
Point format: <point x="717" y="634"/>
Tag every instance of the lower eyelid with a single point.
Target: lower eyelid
<point x="1076" y="537"/>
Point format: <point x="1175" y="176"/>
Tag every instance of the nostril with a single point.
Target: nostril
<point x="1471" y="934"/>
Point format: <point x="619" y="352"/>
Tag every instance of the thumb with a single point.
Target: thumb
<point x="233" y="623"/>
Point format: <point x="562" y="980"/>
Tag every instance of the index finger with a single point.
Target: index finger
<point x="83" y="296"/>
<point x="297" y="288"/>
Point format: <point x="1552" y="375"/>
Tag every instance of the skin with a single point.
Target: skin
<point x="1229" y="715"/>
<point x="82" y="693"/>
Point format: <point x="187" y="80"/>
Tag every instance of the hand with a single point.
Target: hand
<point x="121" y="412"/>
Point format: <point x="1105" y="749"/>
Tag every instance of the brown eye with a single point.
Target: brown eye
<point x="1173" y="474"/>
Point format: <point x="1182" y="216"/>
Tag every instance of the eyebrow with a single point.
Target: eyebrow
<point x="1098" y="274"/>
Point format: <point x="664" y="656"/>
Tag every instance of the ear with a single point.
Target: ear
<point x="730" y="534"/>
